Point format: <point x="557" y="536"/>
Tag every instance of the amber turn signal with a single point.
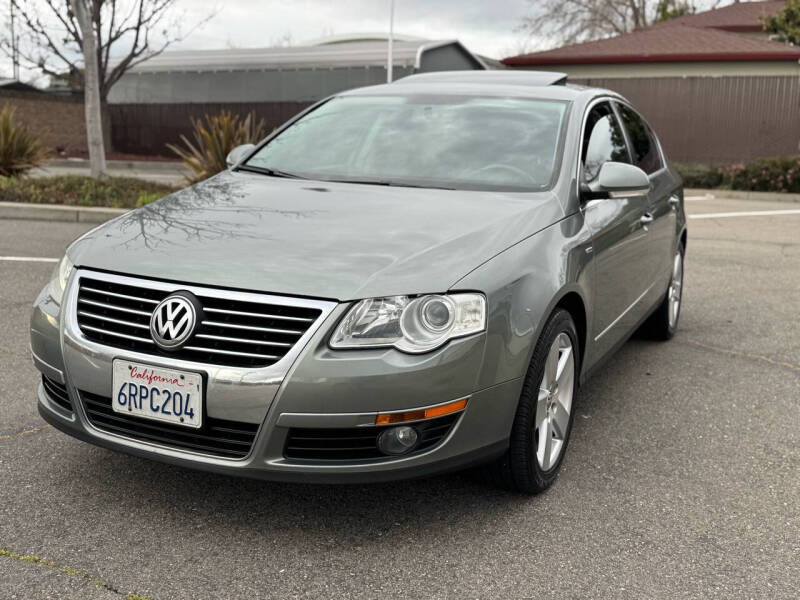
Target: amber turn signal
<point x="422" y="414"/>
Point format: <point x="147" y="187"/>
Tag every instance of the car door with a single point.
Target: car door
<point x="661" y="228"/>
<point x="619" y="245"/>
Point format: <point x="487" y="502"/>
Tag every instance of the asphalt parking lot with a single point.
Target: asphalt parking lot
<point x="682" y="478"/>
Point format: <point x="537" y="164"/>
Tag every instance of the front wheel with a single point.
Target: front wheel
<point x="543" y="422"/>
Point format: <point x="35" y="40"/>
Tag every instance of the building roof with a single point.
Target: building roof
<point x="740" y="16"/>
<point x="674" y="43"/>
<point x="325" y="55"/>
<point x="376" y="36"/>
<point x="706" y="36"/>
<point x="16" y="85"/>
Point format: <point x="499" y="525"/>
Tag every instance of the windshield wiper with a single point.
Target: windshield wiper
<point x="269" y="171"/>
<point x="389" y="183"/>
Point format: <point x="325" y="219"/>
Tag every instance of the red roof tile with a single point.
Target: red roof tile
<point x="673" y="43"/>
<point x="740" y="16"/>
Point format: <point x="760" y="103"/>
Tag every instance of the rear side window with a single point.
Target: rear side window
<point x="643" y="143"/>
<point x="602" y="141"/>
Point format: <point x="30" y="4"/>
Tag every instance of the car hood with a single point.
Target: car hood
<point x="326" y="240"/>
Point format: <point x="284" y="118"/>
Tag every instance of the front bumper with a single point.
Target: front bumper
<point x="314" y="388"/>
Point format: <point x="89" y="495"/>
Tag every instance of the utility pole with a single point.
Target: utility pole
<point x="390" y="57"/>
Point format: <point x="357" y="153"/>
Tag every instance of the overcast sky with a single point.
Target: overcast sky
<point x="484" y="26"/>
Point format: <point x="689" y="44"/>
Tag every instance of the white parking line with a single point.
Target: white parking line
<point x="28" y="259"/>
<point x="695" y="198"/>
<point x="752" y="213"/>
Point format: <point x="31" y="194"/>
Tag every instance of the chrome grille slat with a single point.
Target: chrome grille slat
<point x="118" y="295"/>
<point x="110" y="320"/>
<point x="240" y="313"/>
<point x="221" y="338"/>
<point x="132" y="311"/>
<point x="252" y="328"/>
<point x="117" y="334"/>
<point x="230" y="352"/>
<point x="243" y="332"/>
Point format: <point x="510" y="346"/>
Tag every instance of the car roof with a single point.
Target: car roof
<point x="532" y="84"/>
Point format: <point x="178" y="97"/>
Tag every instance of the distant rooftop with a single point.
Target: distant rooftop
<point x="707" y="36"/>
<point x="676" y="43"/>
<point x="16" y="85"/>
<point x="739" y="16"/>
<point x="339" y="51"/>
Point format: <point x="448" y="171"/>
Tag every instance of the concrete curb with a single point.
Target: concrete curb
<point x="744" y="195"/>
<point x="140" y="165"/>
<point x="58" y="212"/>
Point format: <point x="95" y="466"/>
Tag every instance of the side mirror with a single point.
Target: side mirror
<point x="238" y="153"/>
<point x="619" y="180"/>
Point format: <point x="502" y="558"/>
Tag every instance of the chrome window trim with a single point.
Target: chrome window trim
<point x="582" y="134"/>
<point x="653" y="131"/>
<point x="589" y="106"/>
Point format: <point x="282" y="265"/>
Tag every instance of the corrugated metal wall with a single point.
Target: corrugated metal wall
<point x="717" y="119"/>
<point x="147" y="128"/>
<point x="288" y="85"/>
<point x="699" y="119"/>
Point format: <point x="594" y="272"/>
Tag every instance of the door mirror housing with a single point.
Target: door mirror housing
<point x="238" y="153"/>
<point x="618" y="180"/>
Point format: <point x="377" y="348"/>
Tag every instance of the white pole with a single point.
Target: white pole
<point x="390" y="58"/>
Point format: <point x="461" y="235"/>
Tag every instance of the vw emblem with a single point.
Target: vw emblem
<point x="173" y="322"/>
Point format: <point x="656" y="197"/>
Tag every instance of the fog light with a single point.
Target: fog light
<point x="397" y="440"/>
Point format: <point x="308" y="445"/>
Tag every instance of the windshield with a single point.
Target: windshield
<point x="458" y="142"/>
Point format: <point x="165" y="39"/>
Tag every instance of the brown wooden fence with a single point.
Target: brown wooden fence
<point x="147" y="128"/>
<point x="717" y="119"/>
<point x="699" y="119"/>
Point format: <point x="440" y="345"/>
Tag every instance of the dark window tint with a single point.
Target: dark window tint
<point x="602" y="142"/>
<point x="643" y="143"/>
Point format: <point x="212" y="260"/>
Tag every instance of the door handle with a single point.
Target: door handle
<point x="674" y="200"/>
<point x="646" y="219"/>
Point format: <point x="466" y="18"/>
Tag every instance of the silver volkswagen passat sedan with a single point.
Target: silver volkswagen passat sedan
<point x="402" y="280"/>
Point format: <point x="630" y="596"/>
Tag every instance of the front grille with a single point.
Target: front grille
<point x="57" y="393"/>
<point x="227" y="439"/>
<point x="358" y="443"/>
<point x="232" y="332"/>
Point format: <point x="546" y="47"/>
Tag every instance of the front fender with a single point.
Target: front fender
<point x="523" y="285"/>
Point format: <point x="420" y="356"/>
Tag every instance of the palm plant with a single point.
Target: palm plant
<point x="20" y="149"/>
<point x="213" y="138"/>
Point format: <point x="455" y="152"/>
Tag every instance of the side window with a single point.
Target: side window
<point x="643" y="144"/>
<point x="602" y="141"/>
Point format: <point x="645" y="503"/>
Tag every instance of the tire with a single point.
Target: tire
<point x="663" y="323"/>
<point x="528" y="466"/>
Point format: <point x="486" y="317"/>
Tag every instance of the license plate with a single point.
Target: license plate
<point x="157" y="393"/>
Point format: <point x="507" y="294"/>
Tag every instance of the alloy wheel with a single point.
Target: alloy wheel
<point x="554" y="402"/>
<point x="675" y="289"/>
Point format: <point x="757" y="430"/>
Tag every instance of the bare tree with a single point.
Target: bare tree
<point x="57" y="36"/>
<point x="91" y="101"/>
<point x="573" y="21"/>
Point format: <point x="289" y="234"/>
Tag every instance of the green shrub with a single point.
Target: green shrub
<point x="699" y="176"/>
<point x="79" y="190"/>
<point x="778" y="174"/>
<point x="147" y="198"/>
<point x="214" y="137"/>
<point x="20" y="149"/>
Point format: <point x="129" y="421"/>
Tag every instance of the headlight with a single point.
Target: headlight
<point x="412" y="325"/>
<point x="58" y="282"/>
